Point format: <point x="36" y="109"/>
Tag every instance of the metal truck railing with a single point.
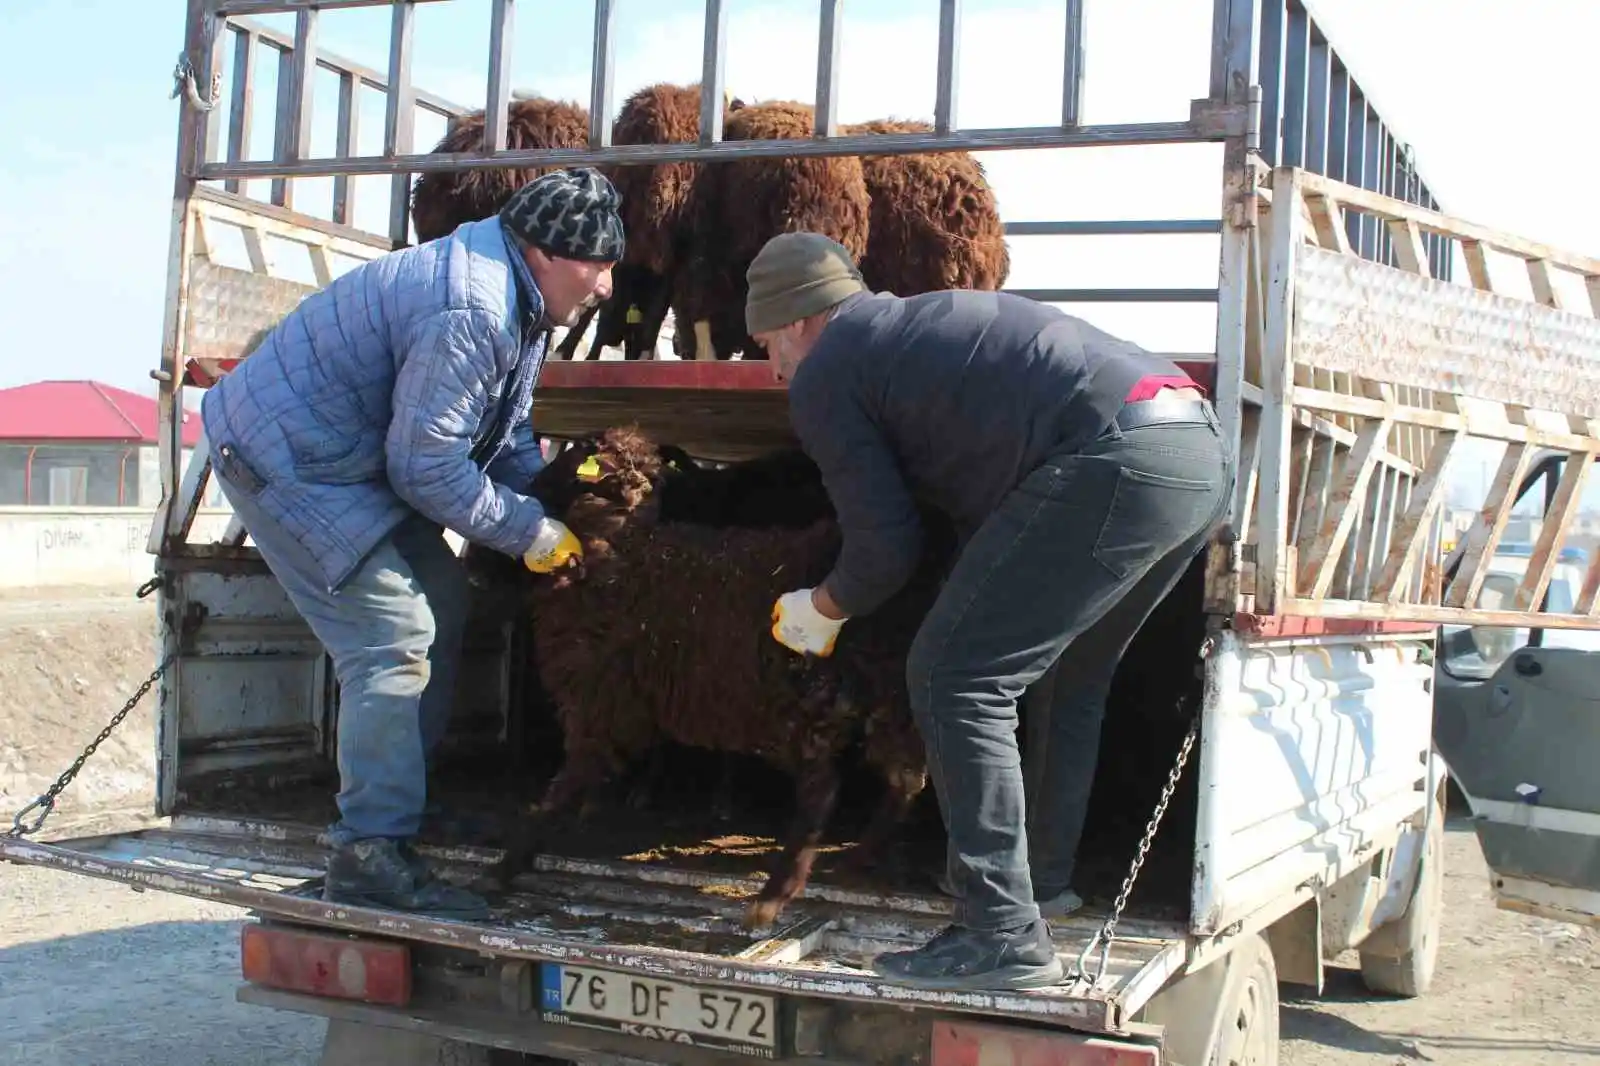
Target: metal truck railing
<point x="1343" y="452"/>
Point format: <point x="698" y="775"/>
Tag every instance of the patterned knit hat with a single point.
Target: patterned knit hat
<point x="571" y="214"/>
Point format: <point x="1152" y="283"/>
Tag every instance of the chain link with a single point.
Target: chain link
<point x="1107" y="932"/>
<point x="46" y="804"/>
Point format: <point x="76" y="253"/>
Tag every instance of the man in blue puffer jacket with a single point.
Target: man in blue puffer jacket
<point x="387" y="407"/>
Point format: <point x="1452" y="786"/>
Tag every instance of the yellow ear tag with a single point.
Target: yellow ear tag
<point x="635" y="316"/>
<point x="589" y="470"/>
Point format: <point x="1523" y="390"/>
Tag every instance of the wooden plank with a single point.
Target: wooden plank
<point x="1475" y="424"/>
<point x="255" y="249"/>
<point x="1408" y="247"/>
<point x="1273" y="573"/>
<point x="1592" y="284"/>
<point x="1477" y="553"/>
<point x="319" y="264"/>
<point x="1553" y="532"/>
<point x="1387" y="207"/>
<point x="1421" y="612"/>
<point x="1329" y="220"/>
<point x="1588" y="602"/>
<point x="1316" y="576"/>
<point x="1543" y="283"/>
<point x="1477" y="265"/>
<point x="1412" y="535"/>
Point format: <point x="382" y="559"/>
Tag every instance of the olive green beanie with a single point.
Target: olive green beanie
<point x="796" y="275"/>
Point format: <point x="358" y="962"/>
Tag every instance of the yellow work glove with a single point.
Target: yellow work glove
<point x="553" y="547"/>
<point x="800" y="627"/>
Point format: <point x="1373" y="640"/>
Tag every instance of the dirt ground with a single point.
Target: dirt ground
<point x="93" y="974"/>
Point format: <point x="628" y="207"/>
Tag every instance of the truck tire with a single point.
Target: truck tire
<point x="1248" y="1031"/>
<point x="358" y="1044"/>
<point x="1408" y="948"/>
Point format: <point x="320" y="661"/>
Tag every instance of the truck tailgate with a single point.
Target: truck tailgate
<point x="665" y="922"/>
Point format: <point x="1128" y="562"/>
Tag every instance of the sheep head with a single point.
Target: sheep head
<point x="609" y="484"/>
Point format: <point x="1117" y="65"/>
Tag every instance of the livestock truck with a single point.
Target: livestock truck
<point x="1270" y="794"/>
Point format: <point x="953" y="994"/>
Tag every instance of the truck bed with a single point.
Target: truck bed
<point x="671" y="912"/>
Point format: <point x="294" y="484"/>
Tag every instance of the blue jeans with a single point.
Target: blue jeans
<point x="394" y="633"/>
<point x="1064" y="571"/>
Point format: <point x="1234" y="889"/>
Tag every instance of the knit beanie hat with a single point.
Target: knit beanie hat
<point x="571" y="214"/>
<point x="796" y="275"/>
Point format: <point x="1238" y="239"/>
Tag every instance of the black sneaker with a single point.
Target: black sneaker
<point x="960" y="958"/>
<point x="378" y="873"/>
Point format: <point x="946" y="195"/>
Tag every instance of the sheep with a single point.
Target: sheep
<point x="655" y="200"/>
<point x="739" y="205"/>
<point x="935" y="224"/>
<point x="443" y="200"/>
<point x="661" y="635"/>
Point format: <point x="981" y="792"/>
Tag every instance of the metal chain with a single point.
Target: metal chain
<point x="46" y="803"/>
<point x="1107" y="932"/>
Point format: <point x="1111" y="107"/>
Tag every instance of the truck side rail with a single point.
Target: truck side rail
<point x="1367" y="379"/>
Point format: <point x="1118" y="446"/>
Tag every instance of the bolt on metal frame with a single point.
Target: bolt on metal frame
<point x="1280" y="96"/>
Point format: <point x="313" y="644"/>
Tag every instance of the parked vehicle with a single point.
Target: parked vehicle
<point x="1269" y="794"/>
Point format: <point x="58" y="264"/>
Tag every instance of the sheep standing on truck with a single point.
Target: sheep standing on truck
<point x="387" y="406"/>
<point x="655" y="212"/>
<point x="738" y="204"/>
<point x="1083" y="475"/>
<point x="652" y="642"/>
<point x="443" y="200"/>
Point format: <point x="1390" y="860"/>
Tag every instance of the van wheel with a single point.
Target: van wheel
<point x="1407" y="953"/>
<point x="1247" y="1030"/>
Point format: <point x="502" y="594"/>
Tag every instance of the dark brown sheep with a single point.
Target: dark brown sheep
<point x="662" y="635"/>
<point x="655" y="211"/>
<point x="441" y="200"/>
<point x="935" y="223"/>
<point x="740" y="205"/>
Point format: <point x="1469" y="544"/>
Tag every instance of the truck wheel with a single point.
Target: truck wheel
<point x="1415" y="933"/>
<point x="1247" y="1030"/>
<point x="357" y="1044"/>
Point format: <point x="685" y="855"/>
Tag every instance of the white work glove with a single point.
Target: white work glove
<point x="554" y="546"/>
<point x="800" y="627"/>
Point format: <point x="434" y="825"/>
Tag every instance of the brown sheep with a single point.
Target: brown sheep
<point x="742" y="204"/>
<point x="662" y="635"/>
<point x="655" y="202"/>
<point x="935" y="223"/>
<point x="441" y="200"/>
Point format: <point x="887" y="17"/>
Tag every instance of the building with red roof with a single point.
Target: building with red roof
<point x="81" y="444"/>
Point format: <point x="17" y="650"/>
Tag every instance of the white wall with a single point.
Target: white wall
<point x="85" y="546"/>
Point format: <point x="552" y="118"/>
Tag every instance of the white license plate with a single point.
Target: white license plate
<point x="660" y="1010"/>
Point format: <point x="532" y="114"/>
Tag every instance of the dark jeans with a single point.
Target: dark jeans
<point x="1068" y="566"/>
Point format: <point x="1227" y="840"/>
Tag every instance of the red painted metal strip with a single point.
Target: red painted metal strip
<point x="1288" y="625"/>
<point x="961" y="1044"/>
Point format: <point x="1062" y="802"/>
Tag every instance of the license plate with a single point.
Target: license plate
<point x="660" y="1010"/>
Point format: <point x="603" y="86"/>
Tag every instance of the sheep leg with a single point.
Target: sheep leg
<point x="643" y="794"/>
<point x="722" y="803"/>
<point x="816" y="791"/>
<point x="580" y="775"/>
<point x="569" y="344"/>
<point x="702" y="340"/>
<point x="901" y="789"/>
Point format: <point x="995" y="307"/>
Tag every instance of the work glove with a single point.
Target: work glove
<point x="800" y="627"/>
<point x="553" y="547"/>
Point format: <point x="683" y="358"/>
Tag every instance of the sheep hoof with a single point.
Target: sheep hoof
<point x="762" y="913"/>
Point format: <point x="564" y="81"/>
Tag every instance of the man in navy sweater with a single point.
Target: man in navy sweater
<point x="1083" y="475"/>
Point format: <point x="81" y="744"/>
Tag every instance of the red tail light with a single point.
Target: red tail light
<point x="960" y="1044"/>
<point x="323" y="964"/>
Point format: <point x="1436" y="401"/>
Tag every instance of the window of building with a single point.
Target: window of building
<point x="69" y="486"/>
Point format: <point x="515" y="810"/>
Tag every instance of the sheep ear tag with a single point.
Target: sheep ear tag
<point x="635" y="316"/>
<point x="589" y="470"/>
